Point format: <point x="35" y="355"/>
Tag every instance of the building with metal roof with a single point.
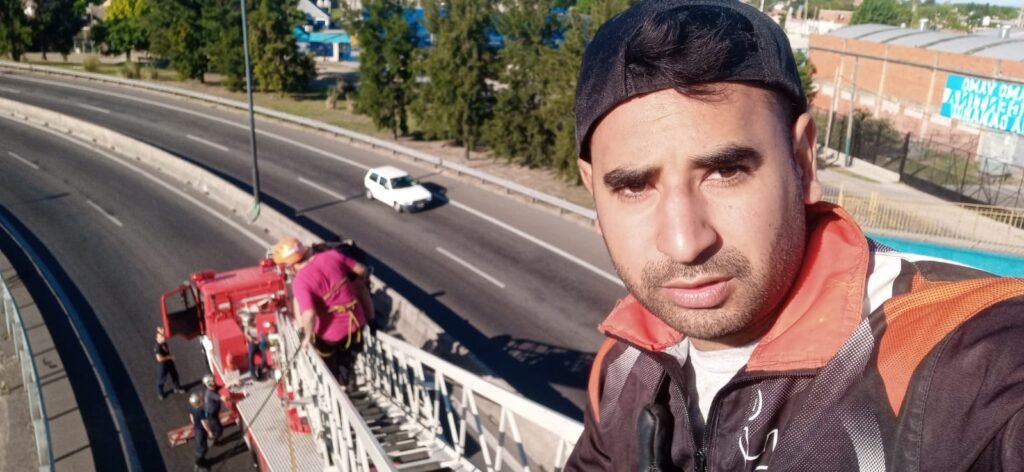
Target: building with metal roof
<point x="996" y="43"/>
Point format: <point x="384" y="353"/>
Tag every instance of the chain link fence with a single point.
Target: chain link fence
<point x="950" y="168"/>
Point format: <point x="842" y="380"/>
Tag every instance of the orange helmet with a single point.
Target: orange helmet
<point x="289" y="251"/>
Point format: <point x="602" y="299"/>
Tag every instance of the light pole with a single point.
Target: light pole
<point x="254" y="213"/>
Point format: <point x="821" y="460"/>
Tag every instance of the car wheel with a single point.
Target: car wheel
<point x="369" y="194"/>
<point x="397" y="207"/>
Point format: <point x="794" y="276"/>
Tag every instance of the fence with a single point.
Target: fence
<point x="15" y="327"/>
<point x="454" y="403"/>
<point x="949" y="169"/>
<point x="964" y="224"/>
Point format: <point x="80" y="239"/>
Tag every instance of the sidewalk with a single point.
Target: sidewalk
<point x="71" y="447"/>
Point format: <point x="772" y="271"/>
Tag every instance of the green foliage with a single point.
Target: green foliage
<point x="124" y="27"/>
<point x="886" y="12"/>
<point x="517" y="130"/>
<point x="277" y="64"/>
<point x="221" y="24"/>
<point x="385" y="62"/>
<point x="15" y="30"/>
<point x="457" y="100"/>
<point x="78" y="7"/>
<point x="91" y="64"/>
<point x="131" y="70"/>
<point x="55" y="26"/>
<point x="807" y="71"/>
<point x="584" y="6"/>
<point x="173" y="34"/>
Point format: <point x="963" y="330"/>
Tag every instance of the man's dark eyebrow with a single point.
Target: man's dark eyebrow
<point x="729" y="156"/>
<point x="626" y="177"/>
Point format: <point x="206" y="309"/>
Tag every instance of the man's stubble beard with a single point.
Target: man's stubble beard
<point x="757" y="292"/>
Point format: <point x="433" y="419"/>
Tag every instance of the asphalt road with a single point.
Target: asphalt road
<point x="522" y="288"/>
<point x="117" y="241"/>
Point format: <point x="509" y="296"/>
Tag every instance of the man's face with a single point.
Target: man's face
<point x="701" y="205"/>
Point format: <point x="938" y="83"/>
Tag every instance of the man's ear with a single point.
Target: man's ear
<point x="805" y="136"/>
<point x="587" y="176"/>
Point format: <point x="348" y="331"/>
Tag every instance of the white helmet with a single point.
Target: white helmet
<point x="208" y="380"/>
<point x="194" y="400"/>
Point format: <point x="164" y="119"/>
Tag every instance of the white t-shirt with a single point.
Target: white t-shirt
<point x="711" y="369"/>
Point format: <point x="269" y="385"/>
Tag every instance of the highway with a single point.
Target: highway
<point x="522" y="288"/>
<point x="117" y="240"/>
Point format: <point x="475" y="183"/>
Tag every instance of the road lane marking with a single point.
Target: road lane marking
<point x="9" y="90"/>
<point x="323" y="189"/>
<point x="208" y="143"/>
<point x="105" y="213"/>
<point x="262" y="243"/>
<point x="501" y="224"/>
<point x="586" y="265"/>
<point x="23" y="160"/>
<point x="93" y="108"/>
<point x="471" y="267"/>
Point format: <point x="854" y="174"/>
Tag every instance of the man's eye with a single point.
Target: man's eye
<point x="728" y="174"/>
<point x="631" y="191"/>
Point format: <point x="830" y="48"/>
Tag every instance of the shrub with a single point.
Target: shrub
<point x="91" y="64"/>
<point x="131" y="70"/>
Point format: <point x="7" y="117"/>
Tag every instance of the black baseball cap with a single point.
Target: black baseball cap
<point x="746" y="46"/>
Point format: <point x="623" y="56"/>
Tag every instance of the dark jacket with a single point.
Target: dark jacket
<point x="878" y="360"/>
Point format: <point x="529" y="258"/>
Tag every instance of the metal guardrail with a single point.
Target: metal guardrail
<point x="968" y="225"/>
<point x="448" y="401"/>
<point x="343" y="439"/>
<point x="29" y="377"/>
<point x="511" y="187"/>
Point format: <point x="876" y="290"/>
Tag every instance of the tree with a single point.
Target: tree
<point x="125" y="28"/>
<point x="807" y="71"/>
<point x="221" y="24"/>
<point x="15" y="30"/>
<point x="277" y="64"/>
<point x="387" y="47"/>
<point x="55" y="26"/>
<point x="886" y="12"/>
<point x="456" y="102"/>
<point x="173" y="34"/>
<point x="517" y="130"/>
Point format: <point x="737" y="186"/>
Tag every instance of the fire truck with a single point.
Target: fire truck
<point x="293" y="417"/>
<point x="410" y="410"/>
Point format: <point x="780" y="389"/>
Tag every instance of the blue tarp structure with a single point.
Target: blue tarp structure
<point x="322" y="43"/>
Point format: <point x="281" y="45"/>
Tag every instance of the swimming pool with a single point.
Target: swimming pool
<point x="994" y="262"/>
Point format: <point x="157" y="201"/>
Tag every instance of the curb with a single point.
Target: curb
<point x="69" y="441"/>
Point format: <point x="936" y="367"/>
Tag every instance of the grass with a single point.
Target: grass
<point x="308" y="105"/>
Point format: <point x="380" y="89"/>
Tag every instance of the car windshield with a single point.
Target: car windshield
<point x="402" y="182"/>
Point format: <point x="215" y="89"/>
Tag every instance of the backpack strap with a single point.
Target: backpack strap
<point x="596" y="376"/>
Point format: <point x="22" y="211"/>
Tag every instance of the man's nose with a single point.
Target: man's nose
<point x="685" y="232"/>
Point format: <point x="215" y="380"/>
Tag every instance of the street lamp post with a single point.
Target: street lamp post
<point x="254" y="213"/>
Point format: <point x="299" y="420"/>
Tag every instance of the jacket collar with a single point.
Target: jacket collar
<point x="822" y="309"/>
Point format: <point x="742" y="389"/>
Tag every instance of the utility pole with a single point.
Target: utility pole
<point x="849" y="118"/>
<point x="837" y="86"/>
<point x="254" y="213"/>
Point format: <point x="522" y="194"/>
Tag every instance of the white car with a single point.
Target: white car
<point x="396" y="188"/>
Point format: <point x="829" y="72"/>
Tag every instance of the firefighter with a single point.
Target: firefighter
<point x="332" y="303"/>
<point x="165" y="363"/>
<point x="211" y="405"/>
<point x="201" y="428"/>
<point x="255" y="345"/>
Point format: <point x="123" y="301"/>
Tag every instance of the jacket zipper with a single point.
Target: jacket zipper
<point x="712" y="419"/>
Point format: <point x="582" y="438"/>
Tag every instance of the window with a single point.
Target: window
<point x="402" y="182"/>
